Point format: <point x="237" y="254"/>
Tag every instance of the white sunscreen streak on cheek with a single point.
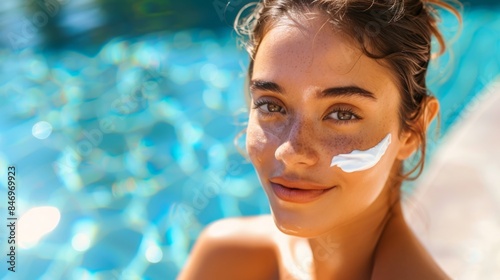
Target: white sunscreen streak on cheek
<point x="361" y="160"/>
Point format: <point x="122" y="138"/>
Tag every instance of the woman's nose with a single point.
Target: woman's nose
<point x="298" y="148"/>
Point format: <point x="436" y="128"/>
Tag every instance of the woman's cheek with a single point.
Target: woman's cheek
<point x="260" y="142"/>
<point x="370" y="182"/>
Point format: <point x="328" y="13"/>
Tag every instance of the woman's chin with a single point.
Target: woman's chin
<point x="295" y="227"/>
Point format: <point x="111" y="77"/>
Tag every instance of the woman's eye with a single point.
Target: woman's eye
<point x="343" y="115"/>
<point x="273" y="108"/>
<point x="268" y="107"/>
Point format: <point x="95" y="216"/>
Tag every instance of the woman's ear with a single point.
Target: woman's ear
<point x="411" y="140"/>
<point x="431" y="111"/>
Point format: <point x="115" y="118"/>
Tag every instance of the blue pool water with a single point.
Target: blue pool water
<point x="137" y="156"/>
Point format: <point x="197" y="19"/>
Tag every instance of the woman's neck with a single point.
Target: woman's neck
<point x="347" y="252"/>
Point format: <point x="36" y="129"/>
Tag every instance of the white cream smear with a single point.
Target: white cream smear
<point x="361" y="160"/>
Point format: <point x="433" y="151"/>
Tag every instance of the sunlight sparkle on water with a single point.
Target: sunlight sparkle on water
<point x="36" y="223"/>
<point x="42" y="130"/>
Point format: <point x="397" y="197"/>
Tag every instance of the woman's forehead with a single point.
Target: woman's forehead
<point x="314" y="52"/>
<point x="303" y="49"/>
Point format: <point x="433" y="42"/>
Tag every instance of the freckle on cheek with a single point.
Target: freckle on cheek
<point x="344" y="144"/>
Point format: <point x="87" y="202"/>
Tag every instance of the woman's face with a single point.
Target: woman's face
<point x="314" y="96"/>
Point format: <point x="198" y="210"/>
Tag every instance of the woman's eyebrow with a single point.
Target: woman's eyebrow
<point x="329" y="92"/>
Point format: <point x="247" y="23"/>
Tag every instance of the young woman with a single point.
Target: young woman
<point x="338" y="102"/>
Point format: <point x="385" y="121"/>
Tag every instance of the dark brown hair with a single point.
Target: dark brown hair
<point x="397" y="32"/>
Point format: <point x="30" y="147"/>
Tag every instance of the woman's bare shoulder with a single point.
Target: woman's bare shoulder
<point x="244" y="231"/>
<point x="234" y="248"/>
<point x="400" y="255"/>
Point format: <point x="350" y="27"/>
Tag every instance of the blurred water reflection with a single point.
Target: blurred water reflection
<point x="133" y="145"/>
<point x="85" y="24"/>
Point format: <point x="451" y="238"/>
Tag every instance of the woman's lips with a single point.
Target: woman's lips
<point x="297" y="195"/>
